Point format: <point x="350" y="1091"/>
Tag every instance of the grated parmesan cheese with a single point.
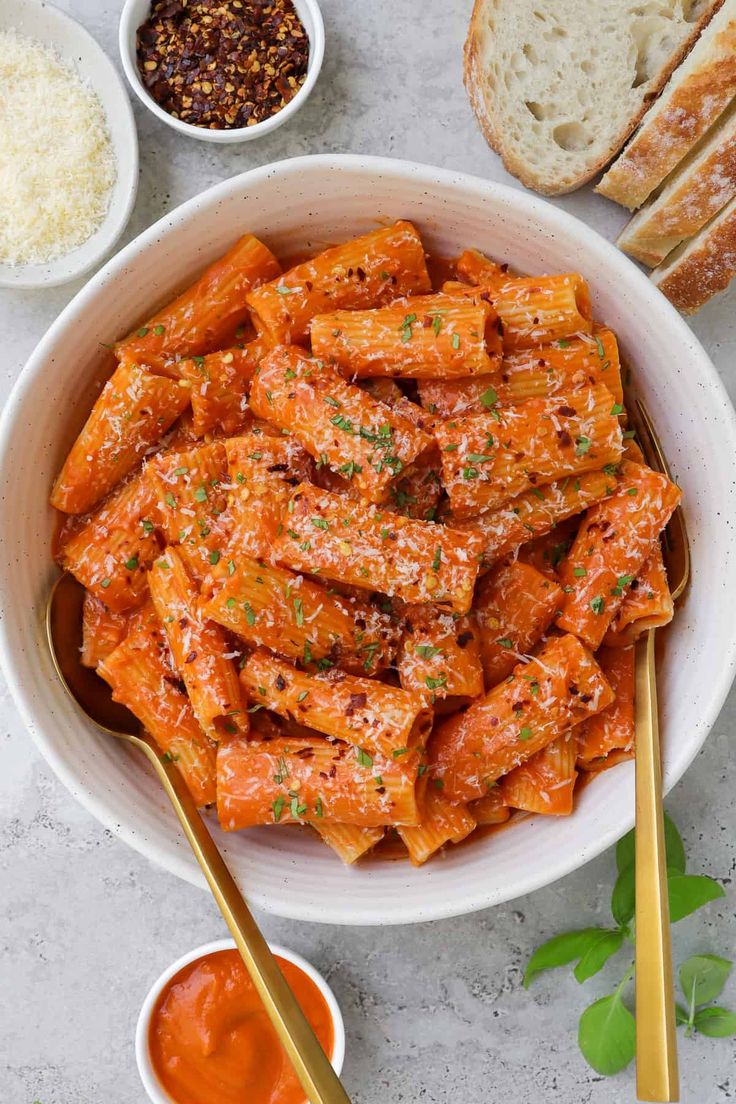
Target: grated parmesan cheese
<point x="57" y="166"/>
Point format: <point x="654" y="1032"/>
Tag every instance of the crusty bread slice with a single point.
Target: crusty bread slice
<point x="696" y="94"/>
<point x="701" y="267"/>
<point x="557" y="87"/>
<point x="698" y="190"/>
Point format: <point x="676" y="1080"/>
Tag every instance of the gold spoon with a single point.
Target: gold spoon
<point x="657" y="1075"/>
<point x="64" y="629"/>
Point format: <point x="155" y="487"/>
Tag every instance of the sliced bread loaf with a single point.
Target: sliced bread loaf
<point x="702" y="266"/>
<point x="558" y="87"/>
<point x="697" y="93"/>
<point x="697" y="191"/>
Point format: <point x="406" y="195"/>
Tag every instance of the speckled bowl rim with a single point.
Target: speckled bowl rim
<point x="416" y="905"/>
<point x="151" y="1083"/>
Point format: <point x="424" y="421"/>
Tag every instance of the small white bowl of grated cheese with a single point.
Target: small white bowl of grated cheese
<point x="68" y="148"/>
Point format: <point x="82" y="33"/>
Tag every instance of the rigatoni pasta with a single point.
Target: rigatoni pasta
<point x="351" y="542"/>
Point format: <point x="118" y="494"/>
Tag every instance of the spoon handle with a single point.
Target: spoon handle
<point x="316" y="1075"/>
<point x="656" y="1044"/>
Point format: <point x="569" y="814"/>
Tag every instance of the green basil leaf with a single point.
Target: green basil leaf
<point x="689" y="892"/>
<point x="674" y="846"/>
<point x="559" y="951"/>
<point x="622" y="898"/>
<point x="607" y="1035"/>
<point x="603" y="947"/>
<point x="718" y="1023"/>
<point x="625" y="851"/>
<point x="682" y="1016"/>
<point x="702" y="978"/>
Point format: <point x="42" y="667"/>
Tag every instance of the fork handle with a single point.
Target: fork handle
<point x="316" y="1075"/>
<point x="656" y="1043"/>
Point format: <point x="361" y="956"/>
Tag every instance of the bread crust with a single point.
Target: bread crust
<point x="706" y="266"/>
<point x="696" y="194"/>
<point x="687" y="112"/>
<point x="493" y="130"/>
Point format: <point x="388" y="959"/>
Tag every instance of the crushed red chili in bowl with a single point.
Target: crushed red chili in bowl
<point x="222" y="64"/>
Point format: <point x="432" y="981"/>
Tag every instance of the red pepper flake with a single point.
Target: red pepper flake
<point x="222" y="64"/>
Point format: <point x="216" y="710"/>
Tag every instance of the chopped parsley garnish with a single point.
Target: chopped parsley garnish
<point x="427" y="651"/>
<point x="298" y="612"/>
<point x="342" y="423"/>
<point x="131" y="564"/>
<point x="435" y="683"/>
<point x="214" y="557"/>
<point x="398" y="752"/>
<point x="250" y="616"/>
<point x="582" y="445"/>
<point x="597" y="605"/>
<point x="363" y="757"/>
<point x="579" y="572"/>
<point x="405" y="327"/>
<point x="349" y="469"/>
<point x="320" y="523"/>
<point x="505" y="642"/>
<point x="525" y="733"/>
<point x="437" y="558"/>
<point x="489" y="398"/>
<point x="201" y="494"/>
<point x="455" y="341"/>
<point x="278" y="807"/>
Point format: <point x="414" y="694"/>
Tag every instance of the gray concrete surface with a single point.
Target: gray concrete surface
<point x="434" y="1013"/>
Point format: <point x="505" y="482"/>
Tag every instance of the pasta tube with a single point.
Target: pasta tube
<point x="536" y="512"/>
<point x="354" y="542"/>
<point x="199" y="648"/>
<point x="270" y="607"/>
<point x="366" y="272"/>
<point x="489" y="458"/>
<point x="141" y="676"/>
<point x="544" y="783"/>
<point x="648" y="604"/>
<point x="440" y="823"/>
<point x="439" y="655"/>
<point x="132" y="413"/>
<point x="300" y="779"/>
<point x="423" y="337"/>
<point x="202" y="318"/>
<point x="361" y="711"/>
<point x="613" y="543"/>
<point x="218" y="387"/>
<point x="531" y="374"/>
<point x="111" y="552"/>
<point x="102" y="630"/>
<point x="613" y="728"/>
<point x="540" y="700"/>
<point x="348" y="840"/>
<point x="262" y="472"/>
<point x="514" y="607"/>
<point x="335" y="421"/>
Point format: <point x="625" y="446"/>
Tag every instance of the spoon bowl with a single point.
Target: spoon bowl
<point x="64" y="609"/>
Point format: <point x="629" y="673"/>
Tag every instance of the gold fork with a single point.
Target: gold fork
<point x="657" y="1075"/>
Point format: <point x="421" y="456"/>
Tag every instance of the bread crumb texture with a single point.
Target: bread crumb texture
<point x="557" y="88"/>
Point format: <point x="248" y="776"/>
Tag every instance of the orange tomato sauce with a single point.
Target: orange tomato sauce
<point x="211" y="1042"/>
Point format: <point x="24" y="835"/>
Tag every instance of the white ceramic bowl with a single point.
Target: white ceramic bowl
<point x="295" y="206"/>
<point x="41" y="21"/>
<point x="135" y="12"/>
<point x="151" y="1083"/>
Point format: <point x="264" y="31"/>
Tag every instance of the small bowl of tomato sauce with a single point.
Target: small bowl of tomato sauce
<point x="204" y="1037"/>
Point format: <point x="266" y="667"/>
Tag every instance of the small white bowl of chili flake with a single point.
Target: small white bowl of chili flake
<point x="222" y="70"/>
